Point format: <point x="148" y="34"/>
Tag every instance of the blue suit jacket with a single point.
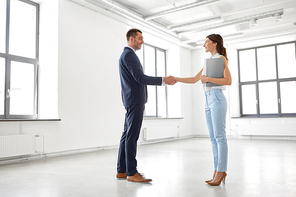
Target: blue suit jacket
<point x="133" y="80"/>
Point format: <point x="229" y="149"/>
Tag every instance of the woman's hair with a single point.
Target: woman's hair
<point x="216" y="38"/>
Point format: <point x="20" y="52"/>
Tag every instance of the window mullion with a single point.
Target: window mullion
<point x="7" y="63"/>
<point x="144" y="67"/>
<point x="166" y="89"/>
<point x="278" y="83"/>
<point x="156" y="92"/>
<point x="240" y="86"/>
<point x="7" y="88"/>
<point x="257" y="85"/>
<point x="7" y="26"/>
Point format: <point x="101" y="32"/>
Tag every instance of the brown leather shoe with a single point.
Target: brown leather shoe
<point x="138" y="178"/>
<point x="121" y="175"/>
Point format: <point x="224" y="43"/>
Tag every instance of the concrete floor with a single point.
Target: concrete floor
<point x="262" y="168"/>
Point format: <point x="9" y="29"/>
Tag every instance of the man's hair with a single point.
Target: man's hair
<point x="132" y="32"/>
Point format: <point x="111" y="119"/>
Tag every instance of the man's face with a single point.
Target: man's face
<point x="137" y="41"/>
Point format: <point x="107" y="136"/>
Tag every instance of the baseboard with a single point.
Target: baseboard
<point x="79" y="151"/>
<point x="258" y="137"/>
<point x="165" y="140"/>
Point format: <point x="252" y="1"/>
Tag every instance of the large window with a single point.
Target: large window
<point x="267" y="80"/>
<point x="18" y="58"/>
<point x="153" y="60"/>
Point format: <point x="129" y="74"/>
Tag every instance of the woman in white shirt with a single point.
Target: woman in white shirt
<point x="215" y="107"/>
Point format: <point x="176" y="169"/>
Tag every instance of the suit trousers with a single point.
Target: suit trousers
<point x="215" y="110"/>
<point x="128" y="144"/>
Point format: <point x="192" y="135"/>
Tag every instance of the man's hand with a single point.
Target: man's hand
<point x="170" y="80"/>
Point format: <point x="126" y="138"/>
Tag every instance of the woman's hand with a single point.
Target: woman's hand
<point x="204" y="79"/>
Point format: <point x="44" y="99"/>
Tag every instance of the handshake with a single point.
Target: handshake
<point x="170" y="80"/>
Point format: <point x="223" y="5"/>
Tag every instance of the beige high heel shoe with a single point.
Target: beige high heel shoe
<point x="215" y="172"/>
<point x="220" y="177"/>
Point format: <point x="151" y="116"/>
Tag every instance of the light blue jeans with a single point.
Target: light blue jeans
<point x="215" y="109"/>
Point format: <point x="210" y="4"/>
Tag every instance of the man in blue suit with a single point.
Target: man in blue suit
<point x="134" y="95"/>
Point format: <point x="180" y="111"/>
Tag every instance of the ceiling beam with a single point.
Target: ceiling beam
<point x="191" y="24"/>
<point x="180" y="8"/>
<point x="121" y="10"/>
<point x="232" y="22"/>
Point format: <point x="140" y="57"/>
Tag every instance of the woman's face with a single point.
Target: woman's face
<point x="209" y="45"/>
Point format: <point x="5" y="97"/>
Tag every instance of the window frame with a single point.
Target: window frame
<point x="156" y="87"/>
<point x="257" y="82"/>
<point x="8" y="58"/>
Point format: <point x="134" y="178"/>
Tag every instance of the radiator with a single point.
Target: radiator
<point x="155" y="133"/>
<point x="17" y="145"/>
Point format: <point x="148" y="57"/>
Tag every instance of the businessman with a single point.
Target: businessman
<point x="134" y="95"/>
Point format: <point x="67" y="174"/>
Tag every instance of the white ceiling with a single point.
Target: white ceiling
<point x="234" y="16"/>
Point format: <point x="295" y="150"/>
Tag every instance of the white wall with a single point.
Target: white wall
<point x="48" y="59"/>
<point x="89" y="91"/>
<point x="83" y="73"/>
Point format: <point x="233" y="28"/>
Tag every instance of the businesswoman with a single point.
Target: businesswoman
<point x="215" y="107"/>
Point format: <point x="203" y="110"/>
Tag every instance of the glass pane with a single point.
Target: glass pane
<point x="2" y="25"/>
<point x="140" y="55"/>
<point x="288" y="97"/>
<point x="160" y="55"/>
<point x="286" y="60"/>
<point x="268" y="99"/>
<point x="249" y="99"/>
<point x="247" y="64"/>
<point x="22" y="38"/>
<point x="149" y="59"/>
<point x="150" y="107"/>
<point x="2" y="85"/>
<point x="22" y="89"/>
<point x="161" y="90"/>
<point x="266" y="63"/>
<point x="161" y="95"/>
<point x="149" y="54"/>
